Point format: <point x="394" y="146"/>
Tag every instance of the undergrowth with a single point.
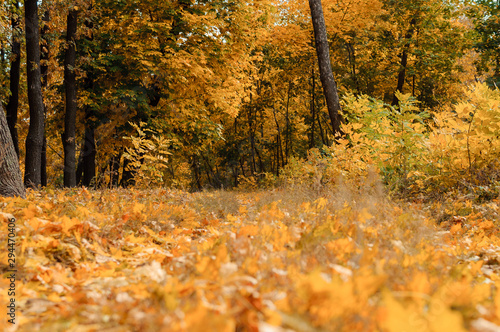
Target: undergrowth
<point x="417" y="155"/>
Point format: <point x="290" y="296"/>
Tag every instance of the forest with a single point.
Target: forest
<point x="260" y="165"/>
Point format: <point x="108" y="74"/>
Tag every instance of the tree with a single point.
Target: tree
<point x="87" y="161"/>
<point x="325" y="66"/>
<point x="487" y="25"/>
<point x="44" y="69"/>
<point x="69" y="136"/>
<point x="404" y="62"/>
<point x="15" y="65"/>
<point x="423" y="42"/>
<point x="11" y="183"/>
<point x="34" y="140"/>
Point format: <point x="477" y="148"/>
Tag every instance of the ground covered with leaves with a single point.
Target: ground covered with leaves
<point x="292" y="259"/>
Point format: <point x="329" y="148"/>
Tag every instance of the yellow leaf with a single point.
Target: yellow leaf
<point x="497" y="300"/>
<point x="443" y="319"/>
<point x="398" y="318"/>
<point x="138" y="207"/>
<point x="420" y="284"/>
<point x="364" y="215"/>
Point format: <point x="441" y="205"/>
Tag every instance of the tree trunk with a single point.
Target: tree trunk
<point x="79" y="166"/>
<point x="288" y="134"/>
<point x="2" y="53"/>
<point x="323" y="139"/>
<point x="44" y="69"/>
<point x="127" y="174"/>
<point x="11" y="181"/>
<point x="13" y="103"/>
<point x="351" y="51"/>
<point x="313" y="111"/>
<point x="325" y="67"/>
<point x="89" y="145"/>
<point x="195" y="167"/>
<point x="404" y="62"/>
<point x="89" y="151"/>
<point x="252" y="141"/>
<point x="34" y="140"/>
<point x="114" y="166"/>
<point x="69" y="139"/>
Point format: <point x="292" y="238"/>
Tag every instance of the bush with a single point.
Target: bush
<point x="412" y="151"/>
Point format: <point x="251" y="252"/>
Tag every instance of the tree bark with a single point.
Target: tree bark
<point x="44" y="69"/>
<point x="15" y="65"/>
<point x="2" y="52"/>
<point x="89" y="146"/>
<point x="404" y="62"/>
<point x="288" y="134"/>
<point x="79" y="165"/>
<point x="34" y="140"/>
<point x="89" y="151"/>
<point x="69" y="139"/>
<point x="114" y="166"/>
<point x="325" y="66"/>
<point x="11" y="181"/>
<point x="313" y="111"/>
<point x="127" y="175"/>
<point x="351" y="51"/>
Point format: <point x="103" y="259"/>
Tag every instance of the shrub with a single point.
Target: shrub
<point x="412" y="151"/>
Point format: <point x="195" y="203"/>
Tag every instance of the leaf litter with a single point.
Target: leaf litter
<point x="275" y="260"/>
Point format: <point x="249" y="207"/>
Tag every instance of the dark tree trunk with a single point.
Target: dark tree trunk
<point x="352" y="59"/>
<point x="278" y="154"/>
<point x="404" y="62"/>
<point x="196" y="170"/>
<point x="89" y="145"/>
<point x="13" y="103"/>
<point x="34" y="140"/>
<point x="252" y="141"/>
<point x="85" y="171"/>
<point x="11" y="181"/>
<point x="313" y="111"/>
<point x="261" y="164"/>
<point x="211" y="177"/>
<point x="69" y="139"/>
<point x="89" y="151"/>
<point x="288" y="133"/>
<point x="43" y="164"/>
<point x="44" y="49"/>
<point x="79" y="166"/>
<point x="44" y="69"/>
<point x="114" y="166"/>
<point x="325" y="67"/>
<point x="2" y="53"/>
<point x="127" y="175"/>
<point x="278" y="141"/>
<point x="401" y="77"/>
<point x="323" y="139"/>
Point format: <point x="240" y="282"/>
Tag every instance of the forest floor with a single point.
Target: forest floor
<point x="273" y="261"/>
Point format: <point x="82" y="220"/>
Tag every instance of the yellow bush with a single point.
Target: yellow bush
<point x="464" y="141"/>
<point x="412" y="151"/>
